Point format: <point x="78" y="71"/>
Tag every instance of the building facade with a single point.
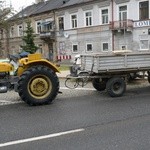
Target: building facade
<point x="103" y="26"/>
<point x="71" y="27"/>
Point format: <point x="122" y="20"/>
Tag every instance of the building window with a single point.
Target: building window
<point x="12" y="32"/>
<point x="74" y="21"/>
<point x="88" y="18"/>
<point x="1" y="33"/>
<point x="61" y="23"/>
<point x="38" y="27"/>
<point x="47" y="26"/>
<point x="104" y="16"/>
<point x="144" y="10"/>
<point x="62" y="50"/>
<point x="39" y="50"/>
<point x="20" y="30"/>
<point x="144" y="44"/>
<point x="105" y="47"/>
<point x="123" y="47"/>
<point x="20" y="49"/>
<point x="89" y="47"/>
<point x="75" y="48"/>
<point x="122" y="13"/>
<point x="13" y="50"/>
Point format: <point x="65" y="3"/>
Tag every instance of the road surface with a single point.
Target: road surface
<point x="81" y="119"/>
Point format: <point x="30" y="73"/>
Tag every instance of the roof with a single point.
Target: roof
<point x="79" y="2"/>
<point x="39" y="8"/>
<point x="48" y="6"/>
<point x="74" y="2"/>
<point x="28" y="11"/>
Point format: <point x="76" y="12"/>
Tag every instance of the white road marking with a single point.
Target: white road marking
<point x="40" y="138"/>
<point x="4" y="101"/>
<point x="8" y="102"/>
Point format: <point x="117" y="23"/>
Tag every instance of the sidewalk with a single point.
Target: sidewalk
<point x="63" y="74"/>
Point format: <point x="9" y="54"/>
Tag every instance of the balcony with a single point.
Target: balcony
<point x="47" y="35"/>
<point x="47" y="31"/>
<point x="121" y="25"/>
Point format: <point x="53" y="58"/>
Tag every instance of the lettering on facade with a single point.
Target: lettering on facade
<point x="139" y="24"/>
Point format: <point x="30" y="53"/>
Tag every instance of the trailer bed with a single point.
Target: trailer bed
<point x="116" y="62"/>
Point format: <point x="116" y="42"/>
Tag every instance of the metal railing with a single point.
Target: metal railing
<point x="49" y="34"/>
<point x="123" y="24"/>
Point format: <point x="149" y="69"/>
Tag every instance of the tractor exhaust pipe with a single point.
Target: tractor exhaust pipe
<point x="3" y="89"/>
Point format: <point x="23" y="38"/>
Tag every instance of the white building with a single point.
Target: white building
<point x="103" y="26"/>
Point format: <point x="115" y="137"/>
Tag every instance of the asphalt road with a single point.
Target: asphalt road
<point x="81" y="119"/>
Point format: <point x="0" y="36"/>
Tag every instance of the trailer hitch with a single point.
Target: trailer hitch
<point x="73" y="83"/>
<point x="81" y="79"/>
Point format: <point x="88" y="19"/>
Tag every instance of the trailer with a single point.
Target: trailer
<point x="111" y="71"/>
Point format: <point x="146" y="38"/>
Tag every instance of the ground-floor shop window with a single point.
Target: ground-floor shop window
<point x="39" y="50"/>
<point x="105" y="47"/>
<point x="20" y="49"/>
<point x="89" y="47"/>
<point x="62" y="50"/>
<point x="75" y="48"/>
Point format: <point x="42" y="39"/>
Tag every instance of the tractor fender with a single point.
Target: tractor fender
<point x="29" y="64"/>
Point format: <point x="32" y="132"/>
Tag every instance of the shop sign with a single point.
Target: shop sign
<point x="139" y="24"/>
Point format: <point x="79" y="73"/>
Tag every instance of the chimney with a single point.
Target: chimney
<point x="65" y="1"/>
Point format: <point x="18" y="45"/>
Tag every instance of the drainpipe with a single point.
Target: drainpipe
<point x="55" y="38"/>
<point x="7" y="41"/>
<point x="113" y="36"/>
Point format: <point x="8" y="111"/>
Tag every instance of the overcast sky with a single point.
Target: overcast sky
<point x="18" y="4"/>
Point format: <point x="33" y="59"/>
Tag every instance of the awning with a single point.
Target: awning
<point x="47" y="22"/>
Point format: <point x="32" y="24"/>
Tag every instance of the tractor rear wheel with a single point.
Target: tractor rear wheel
<point x="38" y="85"/>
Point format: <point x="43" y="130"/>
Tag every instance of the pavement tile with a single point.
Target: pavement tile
<point x="63" y="74"/>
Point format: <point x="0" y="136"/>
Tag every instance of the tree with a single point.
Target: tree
<point x="6" y="12"/>
<point x="28" y="39"/>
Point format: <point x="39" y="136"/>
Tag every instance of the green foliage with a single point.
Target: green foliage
<point x="28" y="40"/>
<point x="64" y="67"/>
<point x="5" y="13"/>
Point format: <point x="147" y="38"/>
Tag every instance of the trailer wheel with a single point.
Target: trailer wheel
<point x="38" y="85"/>
<point x="116" y="87"/>
<point x="99" y="85"/>
<point x="148" y="78"/>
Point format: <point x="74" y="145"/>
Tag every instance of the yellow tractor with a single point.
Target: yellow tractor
<point x="34" y="78"/>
